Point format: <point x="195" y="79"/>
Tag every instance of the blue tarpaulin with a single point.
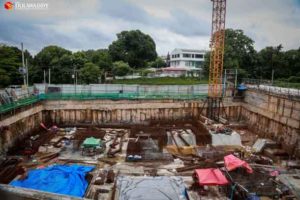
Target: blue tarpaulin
<point x="242" y="87"/>
<point x="61" y="179"/>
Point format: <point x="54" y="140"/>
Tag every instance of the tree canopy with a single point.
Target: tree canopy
<point x="121" y="68"/>
<point x="133" y="47"/>
<point x="157" y="63"/>
<point x="10" y="62"/>
<point x="58" y="60"/>
<point x="90" y="73"/>
<point x="135" y="51"/>
<point x="239" y="53"/>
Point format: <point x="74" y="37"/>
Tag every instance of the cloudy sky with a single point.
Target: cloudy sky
<point x="93" y="24"/>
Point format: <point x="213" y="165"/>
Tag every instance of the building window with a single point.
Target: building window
<point x="190" y="63"/>
<point x="175" y="55"/>
<point x="199" y="55"/>
<point x="199" y="64"/>
<point x="186" y="55"/>
<point x="175" y="63"/>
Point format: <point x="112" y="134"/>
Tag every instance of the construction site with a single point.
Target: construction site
<point x="218" y="140"/>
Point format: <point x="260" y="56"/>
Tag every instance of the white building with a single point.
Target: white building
<point x="188" y="59"/>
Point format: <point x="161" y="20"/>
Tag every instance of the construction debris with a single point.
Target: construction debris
<point x="161" y="150"/>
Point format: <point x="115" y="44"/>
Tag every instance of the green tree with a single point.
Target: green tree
<point x="79" y="59"/>
<point x="272" y="58"/>
<point x="239" y="53"/>
<point x="4" y="78"/>
<point x="100" y="57"/>
<point x="133" y="47"/>
<point x="121" y="68"/>
<point x="157" y="63"/>
<point x="10" y="62"/>
<point x="145" y="72"/>
<point x="59" y="60"/>
<point x="90" y="73"/>
<point x="292" y="58"/>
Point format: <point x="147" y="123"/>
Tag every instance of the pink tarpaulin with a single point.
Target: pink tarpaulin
<point x="210" y="176"/>
<point x="232" y="162"/>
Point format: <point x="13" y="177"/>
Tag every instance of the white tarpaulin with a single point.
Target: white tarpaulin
<point x="149" y="188"/>
<point x="224" y="139"/>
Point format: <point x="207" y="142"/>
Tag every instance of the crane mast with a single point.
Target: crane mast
<point x="215" y="86"/>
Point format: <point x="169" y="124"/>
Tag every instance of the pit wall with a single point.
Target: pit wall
<point x="110" y="112"/>
<point x="95" y="112"/>
<point x="274" y="117"/>
<point x="19" y="126"/>
<point x="268" y="116"/>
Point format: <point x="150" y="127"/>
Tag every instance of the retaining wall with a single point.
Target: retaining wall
<point x="268" y="116"/>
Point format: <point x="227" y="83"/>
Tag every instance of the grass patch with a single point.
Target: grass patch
<point x="162" y="81"/>
<point x="287" y="85"/>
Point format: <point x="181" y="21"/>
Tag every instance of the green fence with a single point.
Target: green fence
<point x="120" y="96"/>
<point x="93" y="96"/>
<point x="18" y="104"/>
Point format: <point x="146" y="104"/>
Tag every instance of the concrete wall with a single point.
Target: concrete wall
<point x="93" y="112"/>
<point x="273" y="117"/>
<point x="105" y="111"/>
<point x="19" y="126"/>
<point x="268" y="116"/>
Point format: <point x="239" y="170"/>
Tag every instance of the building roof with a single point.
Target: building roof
<point x="175" y="69"/>
<point x="189" y="50"/>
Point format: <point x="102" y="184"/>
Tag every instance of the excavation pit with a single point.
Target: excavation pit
<point x="145" y="128"/>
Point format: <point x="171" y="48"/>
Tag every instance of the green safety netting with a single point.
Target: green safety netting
<point x="93" y="96"/>
<point x="116" y="96"/>
<point x="17" y="104"/>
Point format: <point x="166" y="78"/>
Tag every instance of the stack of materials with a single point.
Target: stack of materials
<point x="9" y="169"/>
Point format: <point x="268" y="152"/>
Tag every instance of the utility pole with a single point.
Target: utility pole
<point x="23" y="64"/>
<point x="74" y="77"/>
<point x="272" y="76"/>
<point x="235" y="81"/>
<point x="49" y="76"/>
<point x="44" y="76"/>
<point x="27" y="72"/>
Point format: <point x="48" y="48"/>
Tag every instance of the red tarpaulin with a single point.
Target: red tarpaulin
<point x="231" y="162"/>
<point x="210" y="176"/>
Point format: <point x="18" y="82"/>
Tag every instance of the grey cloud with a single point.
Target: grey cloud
<point x="94" y="24"/>
<point x="35" y="37"/>
<point x="187" y="25"/>
<point x="123" y="10"/>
